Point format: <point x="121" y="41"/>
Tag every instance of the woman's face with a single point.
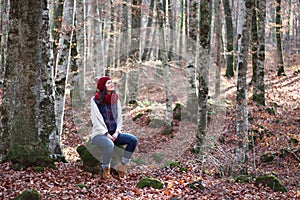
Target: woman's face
<point x="110" y="86"/>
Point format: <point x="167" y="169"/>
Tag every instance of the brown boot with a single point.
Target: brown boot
<point x="122" y="170"/>
<point x="106" y="174"/>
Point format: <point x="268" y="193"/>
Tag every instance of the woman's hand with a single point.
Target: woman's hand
<point x="115" y="136"/>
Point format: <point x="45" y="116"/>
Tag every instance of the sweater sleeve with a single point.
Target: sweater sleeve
<point x="120" y="119"/>
<point x="99" y="126"/>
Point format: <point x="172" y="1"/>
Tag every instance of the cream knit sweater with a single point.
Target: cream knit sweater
<point x="99" y="126"/>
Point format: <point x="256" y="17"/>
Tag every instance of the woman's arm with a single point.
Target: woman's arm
<point x="120" y="118"/>
<point x="99" y="126"/>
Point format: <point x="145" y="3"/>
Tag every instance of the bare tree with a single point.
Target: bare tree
<point x="4" y="6"/>
<point x="280" y="62"/>
<point x="204" y="39"/>
<point x="258" y="49"/>
<point x="244" y="24"/>
<point x="229" y="39"/>
<point x="63" y="61"/>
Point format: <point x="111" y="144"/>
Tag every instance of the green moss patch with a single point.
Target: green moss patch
<point x="28" y="195"/>
<point x="150" y="182"/>
<point x="270" y="181"/>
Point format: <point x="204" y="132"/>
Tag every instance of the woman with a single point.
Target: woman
<point x="106" y="116"/>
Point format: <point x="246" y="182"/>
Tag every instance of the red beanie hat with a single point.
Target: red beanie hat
<point x="101" y="82"/>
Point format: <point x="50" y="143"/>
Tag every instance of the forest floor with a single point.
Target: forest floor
<point x="276" y="135"/>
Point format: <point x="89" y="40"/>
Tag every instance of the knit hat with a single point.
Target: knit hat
<point x="101" y="82"/>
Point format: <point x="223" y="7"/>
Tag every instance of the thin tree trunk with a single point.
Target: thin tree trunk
<point x="258" y="81"/>
<point x="280" y="62"/>
<point x="4" y="14"/>
<point x="244" y="24"/>
<point x="164" y="24"/>
<point x="204" y="37"/>
<point x="63" y="61"/>
<point x="229" y="39"/>
<point x="218" y="49"/>
<point x="80" y="84"/>
<point x="56" y="11"/>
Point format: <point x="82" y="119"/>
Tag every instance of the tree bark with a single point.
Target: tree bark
<point x="244" y="24"/>
<point x="229" y="36"/>
<point x="259" y="52"/>
<point x="204" y="38"/>
<point x="280" y="62"/>
<point x="28" y="118"/>
<point x="63" y="61"/>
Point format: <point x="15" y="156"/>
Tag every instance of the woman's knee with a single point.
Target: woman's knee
<point x="134" y="140"/>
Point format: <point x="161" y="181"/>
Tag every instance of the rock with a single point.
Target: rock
<point x="270" y="181"/>
<point x="28" y="195"/>
<point x="150" y="182"/>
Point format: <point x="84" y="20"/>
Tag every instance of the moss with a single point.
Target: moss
<point x="244" y="179"/>
<point x="81" y="185"/>
<point x="174" y="164"/>
<point x="196" y="185"/>
<point x="177" y="111"/>
<point x="90" y="163"/>
<point x="267" y="157"/>
<point x="89" y="154"/>
<point x="38" y="169"/>
<point x="138" y="115"/>
<point x="30" y="155"/>
<point x="158" y="157"/>
<point x="167" y="130"/>
<point x="139" y="161"/>
<point x="270" y="181"/>
<point x="28" y="195"/>
<point x="150" y="182"/>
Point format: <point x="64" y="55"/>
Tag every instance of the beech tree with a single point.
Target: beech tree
<point x="63" y="61"/>
<point x="229" y="39"/>
<point x="243" y="30"/>
<point x="204" y="42"/>
<point x="280" y="62"/>
<point x="258" y="49"/>
<point x="28" y="130"/>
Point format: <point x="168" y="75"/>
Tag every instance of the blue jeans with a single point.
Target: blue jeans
<point x="107" y="146"/>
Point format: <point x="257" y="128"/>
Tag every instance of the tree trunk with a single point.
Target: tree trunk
<point x="218" y="49"/>
<point x="244" y="24"/>
<point x="28" y="118"/>
<point x="259" y="73"/>
<point x="63" y="61"/>
<point x="56" y="11"/>
<point x="280" y="62"/>
<point x="229" y="35"/>
<point x="204" y="38"/>
<point x="80" y="83"/>
<point x="3" y="36"/>
<point x="162" y="10"/>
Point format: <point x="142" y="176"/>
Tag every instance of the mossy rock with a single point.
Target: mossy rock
<point x="139" y="161"/>
<point x="150" y="182"/>
<point x="90" y="162"/>
<point x="267" y="157"/>
<point x="91" y="156"/>
<point x="28" y="195"/>
<point x="196" y="185"/>
<point x="177" y="111"/>
<point x="158" y="157"/>
<point x="167" y="130"/>
<point x="270" y="181"/>
<point x="138" y="115"/>
<point x="156" y="123"/>
<point x="29" y="155"/>
<point x="244" y="179"/>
